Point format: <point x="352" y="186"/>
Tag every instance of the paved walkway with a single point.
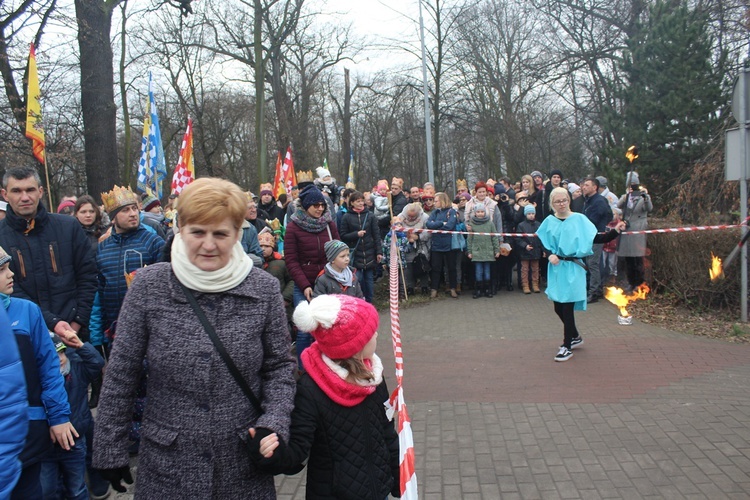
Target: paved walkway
<point x="638" y="412"/>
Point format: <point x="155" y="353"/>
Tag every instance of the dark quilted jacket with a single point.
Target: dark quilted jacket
<point x="365" y="250"/>
<point x="353" y="451"/>
<point x="53" y="264"/>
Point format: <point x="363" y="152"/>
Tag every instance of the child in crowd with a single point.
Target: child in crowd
<point x="63" y="471"/>
<point x="529" y="250"/>
<point x="337" y="277"/>
<point x="339" y="419"/>
<point x="482" y="250"/>
<point x="404" y="247"/>
<point x="609" y="251"/>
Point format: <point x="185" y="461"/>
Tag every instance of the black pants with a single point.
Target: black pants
<point x="565" y="312"/>
<point x="634" y="270"/>
<point x="437" y="260"/>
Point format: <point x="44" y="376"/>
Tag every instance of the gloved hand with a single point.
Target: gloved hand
<point x="114" y="476"/>
<point x="253" y="444"/>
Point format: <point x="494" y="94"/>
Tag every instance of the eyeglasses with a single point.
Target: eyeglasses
<point x="560" y="202"/>
<point x="318" y="205"/>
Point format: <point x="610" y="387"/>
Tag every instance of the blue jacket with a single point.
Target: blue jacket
<point x="53" y="264"/>
<point x="14" y="413"/>
<point x="85" y="365"/>
<point x="598" y="210"/>
<point x="249" y="240"/>
<point x="48" y="401"/>
<point x="445" y="219"/>
<point x="118" y="255"/>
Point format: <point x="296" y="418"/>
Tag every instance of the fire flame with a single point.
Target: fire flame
<point x="716" y="271"/>
<point x="618" y="297"/>
<point x="632" y="153"/>
<point x="129" y="278"/>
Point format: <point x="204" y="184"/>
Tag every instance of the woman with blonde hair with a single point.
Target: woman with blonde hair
<point x="444" y="218"/>
<point x="196" y="423"/>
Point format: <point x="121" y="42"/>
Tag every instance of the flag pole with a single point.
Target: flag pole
<point x="49" y="187"/>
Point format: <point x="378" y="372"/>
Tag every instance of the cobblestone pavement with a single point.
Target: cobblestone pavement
<point x="638" y="412"/>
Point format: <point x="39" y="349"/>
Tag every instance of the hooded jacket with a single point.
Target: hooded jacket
<point x="53" y="264"/>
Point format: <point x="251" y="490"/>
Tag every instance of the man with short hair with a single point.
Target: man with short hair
<point x="505" y="181"/>
<point x="53" y="261"/>
<point x="414" y="195"/>
<point x="598" y="211"/>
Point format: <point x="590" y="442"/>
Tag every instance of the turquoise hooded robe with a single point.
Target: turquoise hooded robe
<point x="570" y="237"/>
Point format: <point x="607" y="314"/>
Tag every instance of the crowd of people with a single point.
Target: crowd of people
<point x="238" y="273"/>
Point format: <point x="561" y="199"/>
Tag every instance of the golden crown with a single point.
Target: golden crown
<point x="266" y="187"/>
<point x="461" y="183"/>
<point x="120" y="196"/>
<point x="275" y="224"/>
<point x="304" y="176"/>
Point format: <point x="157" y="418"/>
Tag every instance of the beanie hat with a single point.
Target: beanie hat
<point x="59" y="345"/>
<point x="499" y="188"/>
<point x="341" y="325"/>
<point x="573" y="187"/>
<point x="479" y="205"/>
<point x="310" y="196"/>
<point x="491" y="190"/>
<point x="556" y="171"/>
<point x="322" y="173"/>
<point x="602" y="181"/>
<point x="632" y="178"/>
<point x="536" y="173"/>
<point x="4" y="257"/>
<point x="150" y="202"/>
<point x="465" y="196"/>
<point x="65" y="204"/>
<point x="333" y="248"/>
<point x="529" y="209"/>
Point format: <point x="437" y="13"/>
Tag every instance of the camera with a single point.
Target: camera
<point x="504" y="197"/>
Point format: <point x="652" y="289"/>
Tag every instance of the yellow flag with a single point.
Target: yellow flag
<point x="34" y="123"/>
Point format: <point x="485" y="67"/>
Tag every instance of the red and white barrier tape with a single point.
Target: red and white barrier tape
<point x="405" y="438"/>
<point x="646" y="231"/>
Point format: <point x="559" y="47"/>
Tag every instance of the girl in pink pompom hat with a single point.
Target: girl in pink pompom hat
<point x="339" y="419"/>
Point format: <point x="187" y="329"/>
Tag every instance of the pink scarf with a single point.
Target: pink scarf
<point x="339" y="390"/>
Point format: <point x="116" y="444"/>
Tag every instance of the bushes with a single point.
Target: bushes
<point x="679" y="264"/>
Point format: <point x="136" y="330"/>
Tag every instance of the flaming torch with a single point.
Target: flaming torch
<point x="632" y="153"/>
<point x="619" y="298"/>
<point x="717" y="270"/>
<point x="717" y="267"/>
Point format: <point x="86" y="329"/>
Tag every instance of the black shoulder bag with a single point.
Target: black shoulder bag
<point x="222" y="351"/>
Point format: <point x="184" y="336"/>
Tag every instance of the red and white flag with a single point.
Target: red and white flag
<point x="184" y="172"/>
<point x="405" y="438"/>
<point x="288" y="177"/>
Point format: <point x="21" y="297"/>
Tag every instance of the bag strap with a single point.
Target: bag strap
<point x="222" y="351"/>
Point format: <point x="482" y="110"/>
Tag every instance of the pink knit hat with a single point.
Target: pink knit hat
<point x="341" y="325"/>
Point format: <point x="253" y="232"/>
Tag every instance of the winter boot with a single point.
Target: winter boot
<point x="478" y="289"/>
<point x="525" y="279"/>
<point x="535" y="277"/>
<point x="488" y="289"/>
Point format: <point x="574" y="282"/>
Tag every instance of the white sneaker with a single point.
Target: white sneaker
<point x="564" y="354"/>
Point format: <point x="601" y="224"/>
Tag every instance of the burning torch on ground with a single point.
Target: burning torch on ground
<point x="619" y="298"/>
<point x="717" y="267"/>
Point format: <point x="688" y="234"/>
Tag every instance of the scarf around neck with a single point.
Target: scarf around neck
<point x="331" y="377"/>
<point x="221" y="280"/>
<point x="480" y="220"/>
<point x="344" y="277"/>
<point x="311" y="224"/>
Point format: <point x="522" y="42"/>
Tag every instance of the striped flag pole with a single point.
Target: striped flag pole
<point x="405" y="438"/>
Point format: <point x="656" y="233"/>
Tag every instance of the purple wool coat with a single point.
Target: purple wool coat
<point x="196" y="415"/>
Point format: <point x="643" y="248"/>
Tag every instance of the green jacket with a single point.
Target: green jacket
<point x="482" y="248"/>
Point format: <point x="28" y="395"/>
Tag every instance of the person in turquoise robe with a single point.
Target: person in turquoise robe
<point x="568" y="238"/>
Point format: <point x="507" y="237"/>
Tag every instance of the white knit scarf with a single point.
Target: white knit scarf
<point x="221" y="280"/>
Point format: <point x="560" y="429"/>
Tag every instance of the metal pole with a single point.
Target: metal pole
<point x="743" y="190"/>
<point x="427" y="127"/>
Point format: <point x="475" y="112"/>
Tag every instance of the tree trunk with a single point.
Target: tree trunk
<point x="97" y="93"/>
<point x="260" y="97"/>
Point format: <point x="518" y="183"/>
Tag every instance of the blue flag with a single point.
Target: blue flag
<point x="152" y="168"/>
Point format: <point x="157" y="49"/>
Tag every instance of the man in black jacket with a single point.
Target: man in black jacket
<point x="597" y="209"/>
<point x="53" y="261"/>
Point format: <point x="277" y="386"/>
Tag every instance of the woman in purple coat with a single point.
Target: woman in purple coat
<point x="309" y="228"/>
<point x="196" y="422"/>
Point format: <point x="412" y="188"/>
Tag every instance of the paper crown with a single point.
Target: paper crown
<point x="120" y="196"/>
<point x="304" y="176"/>
<point x="461" y="183"/>
<point x="274" y="223"/>
<point x="266" y="187"/>
<point x="397" y="181"/>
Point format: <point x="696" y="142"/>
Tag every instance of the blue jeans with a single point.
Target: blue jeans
<point x="63" y="473"/>
<point x="482" y="271"/>
<point x="28" y="484"/>
<point x="304" y="339"/>
<point x="366" y="278"/>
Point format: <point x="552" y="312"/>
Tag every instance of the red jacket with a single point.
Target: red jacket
<point x="305" y="254"/>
